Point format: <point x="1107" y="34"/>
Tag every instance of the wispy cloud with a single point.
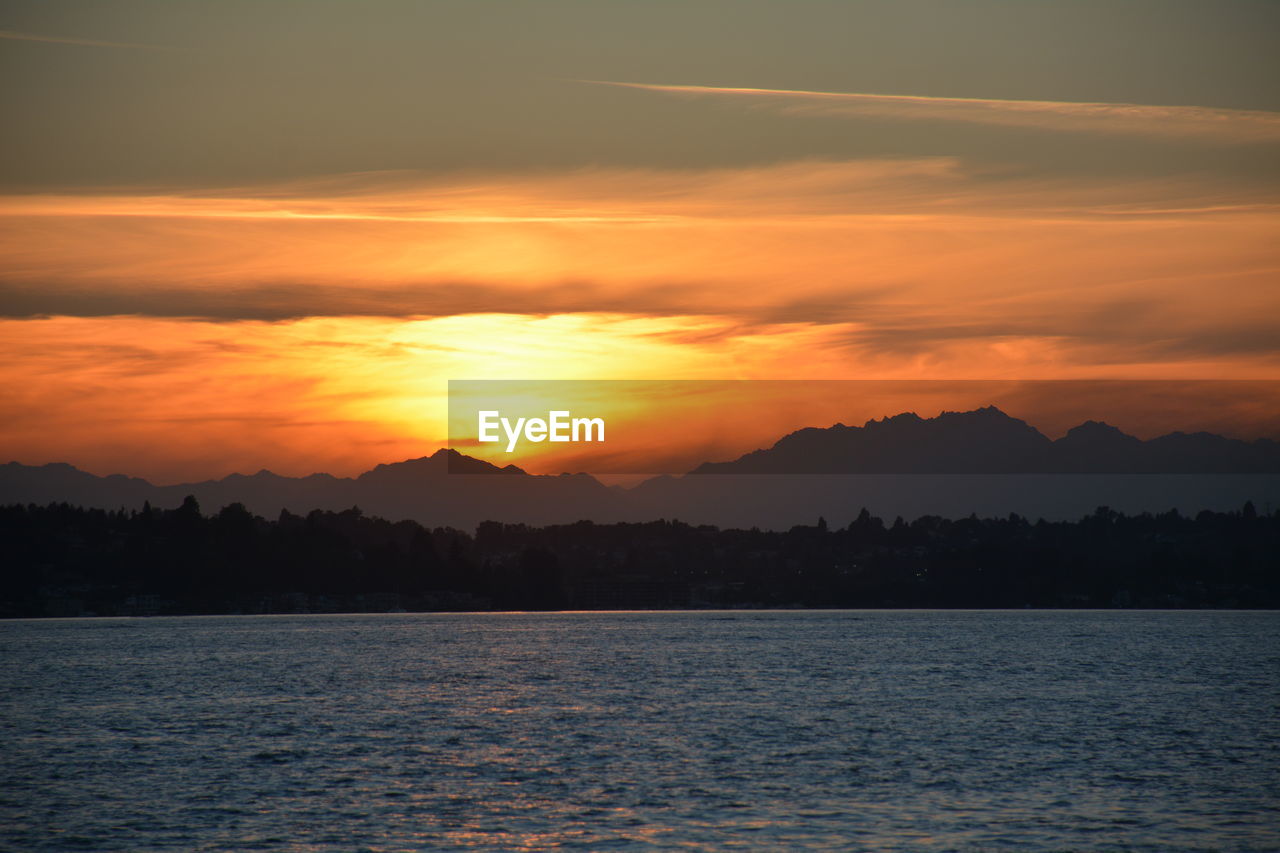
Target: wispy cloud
<point x="1212" y="123"/>
<point x="12" y="35"/>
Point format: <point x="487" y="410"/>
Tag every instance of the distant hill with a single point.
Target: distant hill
<point x="444" y="489"/>
<point x="988" y="441"/>
<point x="958" y="463"/>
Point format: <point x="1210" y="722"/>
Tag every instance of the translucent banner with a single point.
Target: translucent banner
<point x="865" y="426"/>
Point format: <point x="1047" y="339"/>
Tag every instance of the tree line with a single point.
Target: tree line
<point x="62" y="560"/>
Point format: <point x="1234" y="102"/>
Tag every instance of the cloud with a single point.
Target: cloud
<point x="895" y="264"/>
<point x="276" y="301"/>
<point x="12" y="35"/>
<point x="1208" y="123"/>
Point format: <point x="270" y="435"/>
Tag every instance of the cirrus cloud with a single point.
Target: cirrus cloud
<point x="1210" y="123"/>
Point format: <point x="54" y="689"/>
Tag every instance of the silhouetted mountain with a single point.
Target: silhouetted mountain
<point x="955" y="464"/>
<point x="987" y="441"/>
<point x="1096" y="444"/>
<point x="59" y="481"/>
<point x="451" y="488"/>
<point x="446" y="488"/>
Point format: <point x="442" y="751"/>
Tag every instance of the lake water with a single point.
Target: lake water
<point x="918" y="730"/>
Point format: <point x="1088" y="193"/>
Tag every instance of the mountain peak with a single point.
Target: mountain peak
<point x="986" y="413"/>
<point x="446" y="460"/>
<point x="900" y="418"/>
<point x="1096" y="429"/>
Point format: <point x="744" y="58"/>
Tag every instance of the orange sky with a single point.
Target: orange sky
<point x="328" y="314"/>
<point x="255" y="276"/>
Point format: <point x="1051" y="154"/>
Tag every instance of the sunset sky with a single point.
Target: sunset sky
<point x="244" y="235"/>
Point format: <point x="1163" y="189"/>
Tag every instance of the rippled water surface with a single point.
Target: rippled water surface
<point x="771" y="731"/>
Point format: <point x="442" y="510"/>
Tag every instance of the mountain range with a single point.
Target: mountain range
<point x="954" y="464"/>
<point x="988" y="441"/>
